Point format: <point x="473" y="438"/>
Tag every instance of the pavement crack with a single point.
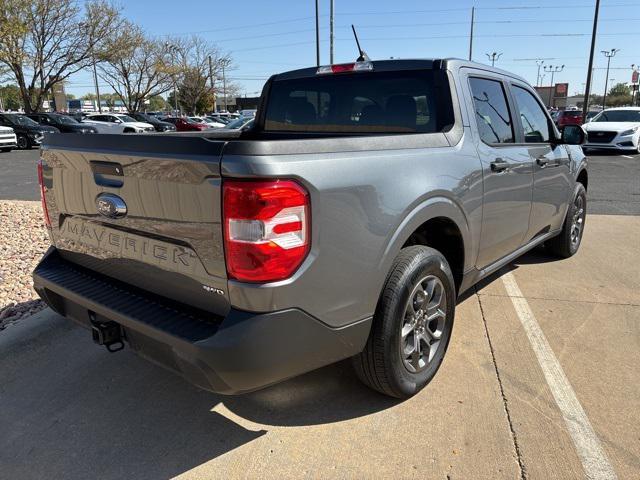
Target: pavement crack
<point x="620" y="304"/>
<point x="505" y="402"/>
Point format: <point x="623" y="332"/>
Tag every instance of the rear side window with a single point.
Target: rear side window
<point x="533" y="119"/>
<point x="361" y="103"/>
<point x="492" y="112"/>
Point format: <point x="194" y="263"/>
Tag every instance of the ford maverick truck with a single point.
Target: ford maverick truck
<point x="345" y="223"/>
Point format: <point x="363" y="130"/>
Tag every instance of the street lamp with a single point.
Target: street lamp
<point x="553" y="70"/>
<point x="608" y="54"/>
<point x="493" y="57"/>
<point x="174" y="49"/>
<point x="539" y="63"/>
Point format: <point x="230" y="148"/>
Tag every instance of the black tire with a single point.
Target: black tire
<point x="128" y="130"/>
<point x="381" y="365"/>
<point x="23" y="142"/>
<point x="567" y="243"/>
<point x="7" y="149"/>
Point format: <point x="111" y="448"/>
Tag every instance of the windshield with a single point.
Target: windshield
<point x="405" y="101"/>
<point x="126" y="118"/>
<point x="21" y="120"/>
<point x="64" y="120"/>
<point x="618" y="116"/>
<point x="237" y="123"/>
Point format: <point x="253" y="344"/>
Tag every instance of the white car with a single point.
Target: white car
<point x="207" y="121"/>
<point x="117" y="123"/>
<point x="8" y="140"/>
<point x="615" y="129"/>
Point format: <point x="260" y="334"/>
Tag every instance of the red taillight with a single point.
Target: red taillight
<point x="266" y="228"/>
<point x="43" y="189"/>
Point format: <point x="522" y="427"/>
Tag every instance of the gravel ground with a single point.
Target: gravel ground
<point x="23" y="240"/>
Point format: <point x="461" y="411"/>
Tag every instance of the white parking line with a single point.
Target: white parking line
<point x="593" y="458"/>
<point x="627" y="156"/>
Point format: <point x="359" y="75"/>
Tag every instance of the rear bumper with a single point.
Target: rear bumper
<point x="237" y="353"/>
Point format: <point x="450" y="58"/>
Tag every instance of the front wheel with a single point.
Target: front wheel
<point x="567" y="243"/>
<point x="23" y="142"/>
<point x="412" y="324"/>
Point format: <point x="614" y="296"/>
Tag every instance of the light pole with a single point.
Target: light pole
<point x="539" y="63"/>
<point x="634" y="83"/>
<point x="173" y="49"/>
<point x="587" y="88"/>
<point x="493" y="57"/>
<point x="331" y="12"/>
<point x="473" y="18"/>
<point x="608" y="54"/>
<point x="317" y="36"/>
<point x="93" y="61"/>
<point x="553" y="70"/>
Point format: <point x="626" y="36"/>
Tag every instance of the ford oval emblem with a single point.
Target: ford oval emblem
<point x="110" y="205"/>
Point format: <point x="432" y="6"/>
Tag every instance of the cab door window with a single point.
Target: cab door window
<point x="492" y="111"/>
<point x="534" y="121"/>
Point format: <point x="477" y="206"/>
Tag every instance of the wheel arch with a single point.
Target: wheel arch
<point x="439" y="223"/>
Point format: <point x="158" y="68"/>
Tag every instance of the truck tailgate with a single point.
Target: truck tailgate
<point x="169" y="240"/>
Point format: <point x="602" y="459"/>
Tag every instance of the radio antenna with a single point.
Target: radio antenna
<point x="363" y="56"/>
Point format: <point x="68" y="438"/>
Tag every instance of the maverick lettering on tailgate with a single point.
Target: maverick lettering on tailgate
<point x="135" y="247"/>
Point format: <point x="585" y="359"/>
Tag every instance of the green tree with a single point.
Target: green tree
<point x="620" y="89"/>
<point x="10" y="96"/>
<point x="157" y="104"/>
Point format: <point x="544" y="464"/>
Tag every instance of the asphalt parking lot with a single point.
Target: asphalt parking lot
<point x="541" y="381"/>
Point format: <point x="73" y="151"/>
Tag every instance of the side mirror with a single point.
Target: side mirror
<point x="573" y="135"/>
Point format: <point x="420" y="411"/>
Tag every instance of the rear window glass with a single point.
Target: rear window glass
<point x="361" y="103"/>
<point x="573" y="113"/>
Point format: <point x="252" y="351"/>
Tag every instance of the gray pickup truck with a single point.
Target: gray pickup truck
<point x="346" y="223"/>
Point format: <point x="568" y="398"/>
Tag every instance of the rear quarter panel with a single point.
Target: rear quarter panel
<point x="364" y="206"/>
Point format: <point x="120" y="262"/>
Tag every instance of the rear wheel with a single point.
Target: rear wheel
<point x="412" y="324"/>
<point x="567" y="243"/>
<point x="23" y="142"/>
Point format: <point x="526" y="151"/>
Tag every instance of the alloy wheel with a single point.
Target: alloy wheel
<point x="423" y="323"/>
<point x="577" y="223"/>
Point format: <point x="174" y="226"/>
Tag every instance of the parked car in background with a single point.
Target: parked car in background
<point x="591" y="114"/>
<point x="184" y="124"/>
<point x="569" y="117"/>
<point x="64" y="123"/>
<point x="117" y="123"/>
<point x="241" y="259"/>
<point x="248" y="113"/>
<point x="219" y="119"/>
<point x="29" y="134"/>
<point x="242" y="123"/>
<point x="615" y="129"/>
<point x="8" y="139"/>
<point x="207" y="121"/>
<point x="158" y="124"/>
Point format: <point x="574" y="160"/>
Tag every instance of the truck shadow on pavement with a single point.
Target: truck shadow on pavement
<point x="72" y="410"/>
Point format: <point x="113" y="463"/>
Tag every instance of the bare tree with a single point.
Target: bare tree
<point x="43" y="42"/>
<point x="196" y="71"/>
<point x="136" y="66"/>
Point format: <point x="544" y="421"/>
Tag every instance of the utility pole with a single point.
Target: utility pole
<point x="553" y="70"/>
<point x="587" y="90"/>
<point x="539" y="63"/>
<point x="493" y="57"/>
<point x="608" y="54"/>
<point x="224" y="87"/>
<point x="212" y="83"/>
<point x="317" y="36"/>
<point x="473" y="17"/>
<point x="331" y="33"/>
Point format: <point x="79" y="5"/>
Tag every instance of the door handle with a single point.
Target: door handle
<point x="542" y="161"/>
<point x="499" y="165"/>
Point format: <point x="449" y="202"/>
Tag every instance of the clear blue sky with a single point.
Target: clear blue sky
<point x="269" y="36"/>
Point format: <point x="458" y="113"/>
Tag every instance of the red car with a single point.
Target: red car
<point x="185" y="124"/>
<point x="569" y="117"/>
